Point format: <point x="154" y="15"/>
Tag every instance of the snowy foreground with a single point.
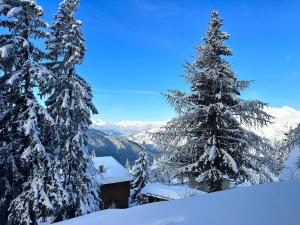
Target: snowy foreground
<point x="268" y="204"/>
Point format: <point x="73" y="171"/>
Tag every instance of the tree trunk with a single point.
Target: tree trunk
<point x="215" y="186"/>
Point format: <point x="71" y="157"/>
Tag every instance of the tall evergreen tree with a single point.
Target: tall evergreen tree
<point x="207" y="140"/>
<point x="162" y="171"/>
<point x="293" y="137"/>
<point x="32" y="190"/>
<point x="140" y="174"/>
<point x="10" y="177"/>
<point x="127" y="165"/>
<point x="70" y="104"/>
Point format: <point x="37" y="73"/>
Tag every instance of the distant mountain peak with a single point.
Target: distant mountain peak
<point x="126" y="127"/>
<point x="120" y="148"/>
<point x="285" y="118"/>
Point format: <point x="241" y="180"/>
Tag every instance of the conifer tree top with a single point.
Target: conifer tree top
<point x="214" y="36"/>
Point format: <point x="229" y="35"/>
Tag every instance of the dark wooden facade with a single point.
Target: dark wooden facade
<point x="115" y="195"/>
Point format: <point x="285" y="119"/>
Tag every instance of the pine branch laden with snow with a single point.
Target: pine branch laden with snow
<point x="293" y="137"/>
<point x="66" y="41"/>
<point x="70" y="105"/>
<point x="140" y="175"/>
<point x="161" y="171"/>
<point x="292" y="141"/>
<point x="206" y="142"/>
<point x="42" y="193"/>
<point x="34" y="192"/>
<point x="11" y="177"/>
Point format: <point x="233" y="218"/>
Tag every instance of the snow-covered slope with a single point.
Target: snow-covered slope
<point x="118" y="147"/>
<point x="268" y="204"/>
<point x="285" y="118"/>
<point x="122" y="143"/>
<point x="143" y="136"/>
<point x="138" y="131"/>
<point x="290" y="170"/>
<point x="126" y="127"/>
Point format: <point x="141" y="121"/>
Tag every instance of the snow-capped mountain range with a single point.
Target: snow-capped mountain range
<point x="126" y="127"/>
<point x="123" y="139"/>
<point x="120" y="148"/>
<point x="285" y="118"/>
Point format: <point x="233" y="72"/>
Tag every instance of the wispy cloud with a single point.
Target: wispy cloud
<point x="134" y="92"/>
<point x="145" y="5"/>
<point x="288" y="58"/>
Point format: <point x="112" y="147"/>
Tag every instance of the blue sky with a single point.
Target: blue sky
<point x="136" y="49"/>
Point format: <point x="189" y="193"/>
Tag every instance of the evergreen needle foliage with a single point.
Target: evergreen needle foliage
<point x="45" y="173"/>
<point x="140" y="175"/>
<point x="208" y="141"/>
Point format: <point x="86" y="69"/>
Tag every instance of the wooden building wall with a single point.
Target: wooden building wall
<point x="115" y="195"/>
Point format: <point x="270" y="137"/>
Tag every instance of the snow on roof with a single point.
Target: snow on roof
<point x="113" y="171"/>
<point x="267" y="204"/>
<point x="169" y="192"/>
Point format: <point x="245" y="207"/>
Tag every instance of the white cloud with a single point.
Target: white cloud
<point x="137" y="92"/>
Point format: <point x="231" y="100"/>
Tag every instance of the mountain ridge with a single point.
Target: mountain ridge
<point x="120" y="148"/>
<point x="285" y="118"/>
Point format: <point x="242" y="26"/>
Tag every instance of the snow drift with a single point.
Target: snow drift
<point x="268" y="204"/>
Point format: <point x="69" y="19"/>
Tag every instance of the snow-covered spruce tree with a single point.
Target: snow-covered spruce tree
<point x="70" y="104"/>
<point x="9" y="175"/>
<point x="207" y="141"/>
<point x="282" y="149"/>
<point x="140" y="175"/>
<point x="10" y="158"/>
<point x="127" y="165"/>
<point x="292" y="141"/>
<point x="162" y="171"/>
<point x="293" y="137"/>
<point x="33" y="191"/>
